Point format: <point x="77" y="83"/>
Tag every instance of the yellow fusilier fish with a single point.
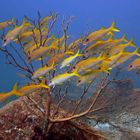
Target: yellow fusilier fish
<point x="70" y="59"/>
<point x="43" y="70"/>
<point x="32" y="46"/>
<point x="125" y="56"/>
<point x="120" y="47"/>
<point x="24" y="36"/>
<point x="94" y="36"/>
<point x="12" y="34"/>
<point x="96" y="45"/>
<point x="88" y="63"/>
<point x="104" y="44"/>
<point x="4" y="96"/>
<point x="41" y="52"/>
<point x="34" y="33"/>
<point x="59" y="79"/>
<point x="111" y="60"/>
<point x="58" y="57"/>
<point x="23" y="90"/>
<point x="30" y="88"/>
<point x="89" y="76"/>
<point x="6" y="24"/>
<point x="134" y="64"/>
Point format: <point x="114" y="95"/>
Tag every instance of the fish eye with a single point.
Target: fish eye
<point x="87" y="40"/>
<point x="99" y="68"/>
<point x="29" y="57"/>
<point x="73" y="67"/>
<point x="86" y="51"/>
<point x="131" y="66"/>
<point x="5" y="40"/>
<point x="79" y="81"/>
<point x="84" y="56"/>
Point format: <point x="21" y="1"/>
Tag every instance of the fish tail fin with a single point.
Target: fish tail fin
<point x="108" y="70"/>
<point x="76" y="73"/>
<point x="24" y="23"/>
<point x="14" y="90"/>
<point x="15" y="86"/>
<point x="131" y="43"/>
<point x="124" y="38"/>
<point x="4" y="96"/>
<point x="13" y="22"/>
<point x="78" y="53"/>
<point x="43" y="84"/>
<point x="113" y="28"/>
<point x="53" y="64"/>
<point x="137" y="52"/>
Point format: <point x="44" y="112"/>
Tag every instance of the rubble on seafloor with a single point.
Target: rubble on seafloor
<point x="21" y="120"/>
<point x="120" y="120"/>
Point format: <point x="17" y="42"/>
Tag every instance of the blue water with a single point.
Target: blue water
<point x="90" y="15"/>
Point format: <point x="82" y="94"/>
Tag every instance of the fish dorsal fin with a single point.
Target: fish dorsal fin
<point x="113" y="28"/>
<point x="15" y="86"/>
<point x="124" y="38"/>
<point x="131" y="43"/>
<point x="136" y="52"/>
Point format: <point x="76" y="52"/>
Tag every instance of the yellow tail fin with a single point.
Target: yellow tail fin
<point x="137" y="52"/>
<point x="124" y="38"/>
<point x="4" y="96"/>
<point x="131" y="43"/>
<point x="113" y="28"/>
<point x="13" y="22"/>
<point x="43" y="84"/>
<point x="14" y="90"/>
<point x="24" y="23"/>
<point x="76" y="73"/>
<point x="78" y="53"/>
<point x="15" y="86"/>
<point x="53" y="64"/>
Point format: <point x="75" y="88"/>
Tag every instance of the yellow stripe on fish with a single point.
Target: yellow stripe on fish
<point x="70" y="59"/>
<point x="94" y="36"/>
<point x="59" y="79"/>
<point x="43" y="70"/>
<point x="12" y="34"/>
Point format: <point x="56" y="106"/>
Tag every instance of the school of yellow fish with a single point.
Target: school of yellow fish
<point x="85" y="58"/>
